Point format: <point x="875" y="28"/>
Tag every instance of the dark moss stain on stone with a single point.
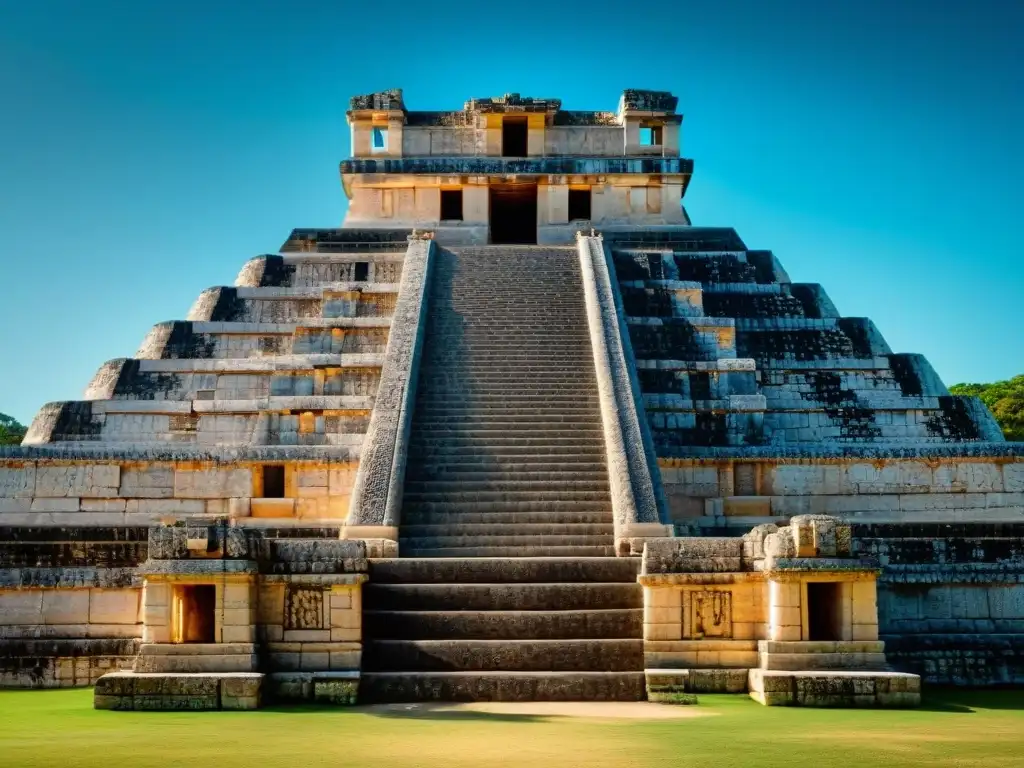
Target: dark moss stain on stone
<point x="841" y="405"/>
<point x="646" y="302"/>
<point x="276" y="273"/>
<point x="184" y="343"/>
<point x="76" y="422"/>
<point x="229" y="307"/>
<point x="639" y="266"/>
<point x="953" y="421"/>
<point x="675" y="339"/>
<point x="806" y="294"/>
<point x="752" y="305"/>
<point x="905" y="374"/>
<point x="808" y="344"/>
<point x="723" y="268"/>
<point x="764" y="266"/>
<point x="132" y="385"/>
<point x="856" y="330"/>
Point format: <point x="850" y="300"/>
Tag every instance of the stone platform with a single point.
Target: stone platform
<point x="834" y="688"/>
<point x="141" y="691"/>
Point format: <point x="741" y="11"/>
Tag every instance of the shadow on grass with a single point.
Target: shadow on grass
<point x="440" y="711"/>
<point x="948" y="699"/>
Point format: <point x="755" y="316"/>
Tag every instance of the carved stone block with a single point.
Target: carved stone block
<point x="304" y="607"/>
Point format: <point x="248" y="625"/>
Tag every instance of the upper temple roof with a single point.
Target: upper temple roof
<point x="631" y="100"/>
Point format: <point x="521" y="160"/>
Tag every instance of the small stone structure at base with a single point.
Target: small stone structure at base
<point x="788" y="614"/>
<point x="176" y="691"/>
<point x="217" y="598"/>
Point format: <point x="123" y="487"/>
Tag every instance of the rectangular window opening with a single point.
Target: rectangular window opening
<point x="273" y="481"/>
<point x="650" y="135"/>
<point x="579" y="204"/>
<point x="362" y="271"/>
<point x="514" y="132"/>
<point x="379" y="139"/>
<point x="451" y="205"/>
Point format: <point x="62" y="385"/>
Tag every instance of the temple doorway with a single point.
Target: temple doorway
<point x="194" y="613"/>
<point x="513" y="214"/>
<point x="824" y="610"/>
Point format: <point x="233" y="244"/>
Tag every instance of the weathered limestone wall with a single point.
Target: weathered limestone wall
<point x="889" y="487"/>
<point x="414" y="201"/>
<point x="56" y="492"/>
<point x="69" y="604"/>
<point x="951" y="599"/>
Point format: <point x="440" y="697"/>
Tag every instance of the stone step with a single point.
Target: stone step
<point x="407" y="570"/>
<point x="495" y="440"/>
<point x="546" y="506"/>
<point x="552" y="463"/>
<point x="501" y="686"/>
<point x="502" y="476"/>
<point x="510" y="540"/>
<point x="557" y="596"/>
<point x="503" y="625"/>
<point x="546" y="528"/>
<point x="515" y="451"/>
<point x="504" y="655"/>
<point x="552" y="401"/>
<point x="528" y="418"/>
<point x="412" y="519"/>
<point x="823" y="661"/>
<point x="510" y="482"/>
<point x="175" y="663"/>
<point x="506" y="552"/>
<point x="547" y="494"/>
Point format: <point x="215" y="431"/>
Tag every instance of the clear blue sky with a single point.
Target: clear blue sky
<point x="149" y="149"/>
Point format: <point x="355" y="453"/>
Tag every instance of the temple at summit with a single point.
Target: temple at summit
<point x="518" y="429"/>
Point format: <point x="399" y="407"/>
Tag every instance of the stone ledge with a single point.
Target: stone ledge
<point x="980" y="450"/>
<point x="140" y="691"/>
<point x="339" y="688"/>
<point x="834" y="688"/>
<point x="696" y="680"/>
<point x="69" y="578"/>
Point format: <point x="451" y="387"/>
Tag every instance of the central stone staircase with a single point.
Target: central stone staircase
<point x="508" y="588"/>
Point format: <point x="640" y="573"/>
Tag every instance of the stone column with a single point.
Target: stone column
<point x="785" y="621"/>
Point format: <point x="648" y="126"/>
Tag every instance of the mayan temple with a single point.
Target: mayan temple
<point x="517" y="430"/>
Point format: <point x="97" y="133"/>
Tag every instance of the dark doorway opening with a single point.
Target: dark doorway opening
<point x="362" y="271"/>
<point x="514" y="132"/>
<point x="579" y="205"/>
<point x="513" y="214"/>
<point x="273" y="481"/>
<point x="451" y="205"/>
<point x="824" y="610"/>
<point x="194" y="608"/>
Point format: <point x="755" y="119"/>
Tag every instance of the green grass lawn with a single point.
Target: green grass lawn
<point x="954" y="728"/>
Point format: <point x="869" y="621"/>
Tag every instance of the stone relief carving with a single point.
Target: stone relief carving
<point x="710" y="614"/>
<point x="304" y="608"/>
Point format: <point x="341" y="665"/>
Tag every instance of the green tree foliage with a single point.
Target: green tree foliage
<point x="1006" y="401"/>
<point x="11" y="431"/>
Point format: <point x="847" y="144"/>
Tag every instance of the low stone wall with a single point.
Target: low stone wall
<point x="951" y="599"/>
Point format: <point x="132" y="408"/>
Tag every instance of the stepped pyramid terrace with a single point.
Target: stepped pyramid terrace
<point x="518" y="430"/>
